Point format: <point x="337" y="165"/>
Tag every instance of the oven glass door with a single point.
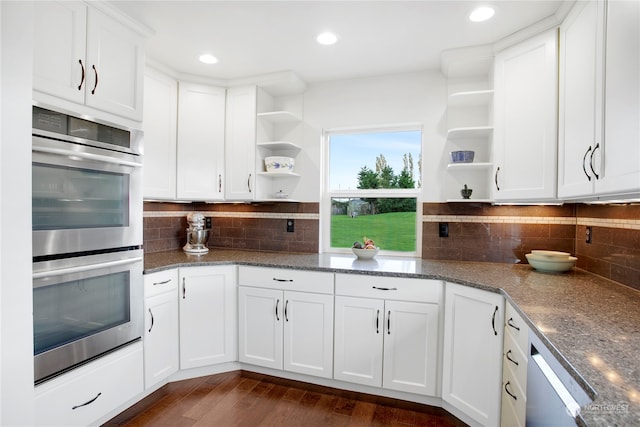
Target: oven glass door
<point x="85" y="306"/>
<point x="84" y="199"/>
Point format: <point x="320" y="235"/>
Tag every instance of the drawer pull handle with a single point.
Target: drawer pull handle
<point x="591" y="161"/>
<point x="493" y="321"/>
<point x="277" y="304"/>
<point x="506" y="388"/>
<point x="95" y="85"/>
<point x="286" y="306"/>
<point x="82" y="78"/>
<point x="389" y="322"/>
<point x="378" y="322"/>
<point x="87" y="403"/>
<point x="282" y="280"/>
<point x="184" y="288"/>
<point x="162" y="283"/>
<point x="384" y="289"/>
<point x="513" y="325"/>
<point x="152" y="321"/>
<point x="584" y="162"/>
<point x="508" y="356"/>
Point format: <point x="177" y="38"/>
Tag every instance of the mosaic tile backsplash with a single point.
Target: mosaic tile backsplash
<point x="477" y="231"/>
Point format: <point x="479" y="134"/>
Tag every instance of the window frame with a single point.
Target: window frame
<point x="327" y="194"/>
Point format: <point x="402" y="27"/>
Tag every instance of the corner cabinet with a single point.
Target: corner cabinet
<point x="208" y="315"/>
<point x="472" y="362"/>
<point x="525" y="120"/>
<point x="285" y="320"/>
<point x="84" y="56"/>
<point x="201" y="142"/>
<point x="599" y="126"/>
<point x="240" y="143"/>
<point x="386" y="332"/>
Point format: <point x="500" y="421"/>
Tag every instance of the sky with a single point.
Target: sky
<point x="348" y="153"/>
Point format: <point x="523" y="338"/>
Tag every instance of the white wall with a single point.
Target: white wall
<point x="386" y="100"/>
<point x="16" y="324"/>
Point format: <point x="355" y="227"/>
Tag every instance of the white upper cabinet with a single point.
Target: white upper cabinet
<point x="525" y="120"/>
<point x="599" y="132"/>
<point x="620" y="163"/>
<point x="159" y="125"/>
<point x="201" y="142"/>
<point x="86" y="57"/>
<point x="240" y="143"/>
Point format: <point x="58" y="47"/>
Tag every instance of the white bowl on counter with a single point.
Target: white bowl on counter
<point x="279" y="164"/>
<point x="365" y="253"/>
<point x="551" y="254"/>
<point x="551" y="264"/>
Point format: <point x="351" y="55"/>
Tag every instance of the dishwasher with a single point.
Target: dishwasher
<point x="554" y="397"/>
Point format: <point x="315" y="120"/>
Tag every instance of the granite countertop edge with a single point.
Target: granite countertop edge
<point x="551" y="304"/>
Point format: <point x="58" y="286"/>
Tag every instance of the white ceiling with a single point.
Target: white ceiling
<point x="253" y="38"/>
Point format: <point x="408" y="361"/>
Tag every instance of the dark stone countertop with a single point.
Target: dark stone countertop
<point x="591" y="324"/>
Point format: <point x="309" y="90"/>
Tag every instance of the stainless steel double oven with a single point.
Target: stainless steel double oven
<point x="87" y="240"/>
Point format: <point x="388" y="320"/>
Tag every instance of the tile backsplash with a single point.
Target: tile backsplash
<point x="477" y="231"/>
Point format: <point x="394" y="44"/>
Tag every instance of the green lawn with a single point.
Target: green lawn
<point x="395" y="231"/>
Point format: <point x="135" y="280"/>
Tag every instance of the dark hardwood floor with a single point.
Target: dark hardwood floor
<point x="250" y="400"/>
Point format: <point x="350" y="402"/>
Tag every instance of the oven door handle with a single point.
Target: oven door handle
<point x="86" y="156"/>
<point x="81" y="268"/>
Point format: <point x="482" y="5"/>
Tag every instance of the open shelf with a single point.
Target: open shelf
<point x="470" y="200"/>
<point x="285" y="146"/>
<point x="279" y="175"/>
<point x="278" y="117"/>
<point x="469" y="132"/>
<point x="471" y="98"/>
<point x="469" y="166"/>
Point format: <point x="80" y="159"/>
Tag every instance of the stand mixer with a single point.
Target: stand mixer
<point x="197" y="235"/>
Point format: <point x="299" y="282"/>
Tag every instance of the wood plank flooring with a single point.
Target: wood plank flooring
<point x="246" y="399"/>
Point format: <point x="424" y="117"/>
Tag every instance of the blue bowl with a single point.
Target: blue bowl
<point x="462" y="156"/>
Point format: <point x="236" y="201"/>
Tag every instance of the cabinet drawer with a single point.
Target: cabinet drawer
<point x="513" y="395"/>
<point x="391" y="288"/>
<point x="509" y="416"/>
<point x="84" y="395"/>
<point x="516" y="327"/>
<point x="515" y="360"/>
<point x="160" y="282"/>
<point x="286" y="279"/>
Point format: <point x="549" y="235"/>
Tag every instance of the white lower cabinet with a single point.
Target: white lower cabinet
<point x="208" y="322"/>
<point x="161" y="339"/>
<point x="514" y="369"/>
<point x="383" y="342"/>
<point x="472" y="362"/>
<point x="286" y="329"/>
<point x="83" y="396"/>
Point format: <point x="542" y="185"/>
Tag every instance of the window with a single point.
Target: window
<point x="372" y="187"/>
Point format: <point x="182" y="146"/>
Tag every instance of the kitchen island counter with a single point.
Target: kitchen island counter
<point x="591" y="324"/>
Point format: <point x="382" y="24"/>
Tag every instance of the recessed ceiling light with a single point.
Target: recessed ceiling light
<point x="481" y="13"/>
<point x="327" y="38"/>
<point x="207" y="58"/>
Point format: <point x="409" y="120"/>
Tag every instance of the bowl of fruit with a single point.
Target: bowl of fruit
<point x="366" y="250"/>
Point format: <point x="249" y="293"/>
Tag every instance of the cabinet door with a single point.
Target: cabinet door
<point x="161" y="354"/>
<point x="580" y="103"/>
<point x="59" y="64"/>
<point x="472" y="353"/>
<point x="201" y="116"/>
<point x="620" y="162"/>
<point x="208" y="301"/>
<point x="240" y="143"/>
<point x="159" y="124"/>
<point x="359" y="332"/>
<point x="525" y="142"/>
<point x="308" y="333"/>
<point x="115" y="66"/>
<point x="260" y="317"/>
<point x="410" y="347"/>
